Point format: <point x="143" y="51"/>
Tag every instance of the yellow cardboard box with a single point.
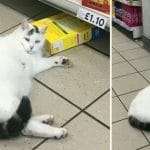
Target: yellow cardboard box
<point x="64" y="32"/>
<point x="56" y="39"/>
<point x="72" y="24"/>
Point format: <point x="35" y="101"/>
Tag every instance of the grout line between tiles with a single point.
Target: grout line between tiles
<point x="118" y="62"/>
<point x="134" y="68"/>
<point x="76" y="115"/>
<point x="125" y="50"/>
<point x="81" y="109"/>
<point x="114" y="122"/>
<point x="145" y="70"/>
<point x="131" y="60"/>
<point x="137" y="42"/>
<point x="120" y="101"/>
<point x="10" y="28"/>
<point x="67" y="122"/>
<point x="145" y="137"/>
<point x="124" y="75"/>
<point x="94" y="118"/>
<point x="129" y="92"/>
<point x="43" y="11"/>
<point x="46" y="86"/>
<point x="143" y="147"/>
<point x="127" y="118"/>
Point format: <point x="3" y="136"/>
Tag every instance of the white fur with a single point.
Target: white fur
<point x="19" y="62"/>
<point x="140" y="106"/>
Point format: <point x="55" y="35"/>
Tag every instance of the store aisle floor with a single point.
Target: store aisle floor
<point x="78" y="97"/>
<point x="131" y="72"/>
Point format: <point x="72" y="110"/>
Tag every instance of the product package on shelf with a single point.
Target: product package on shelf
<point x="64" y="32"/>
<point x="130" y="15"/>
<point x="97" y="33"/>
<point x="118" y="10"/>
<point x="100" y="5"/>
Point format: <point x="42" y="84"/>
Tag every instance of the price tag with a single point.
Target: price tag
<point x="92" y="17"/>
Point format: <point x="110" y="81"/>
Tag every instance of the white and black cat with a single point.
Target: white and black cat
<point x="139" y="111"/>
<point x="20" y="60"/>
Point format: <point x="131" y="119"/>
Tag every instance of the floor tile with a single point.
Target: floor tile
<point x="84" y="134"/>
<point x="115" y="32"/>
<point x="101" y="109"/>
<point x="43" y="102"/>
<point x="113" y="50"/>
<point x="141" y="64"/>
<point x="129" y="83"/>
<point x="127" y="138"/>
<point x="129" y="45"/>
<point x="119" y="38"/>
<point x="28" y="7"/>
<point x="85" y="81"/>
<point x="113" y="94"/>
<point x="116" y="58"/>
<point x="144" y="148"/>
<point x="20" y="143"/>
<point x="39" y="16"/>
<point x="147" y="134"/>
<point x="128" y="98"/>
<point x="135" y="53"/>
<point x="46" y="102"/>
<point x="146" y="74"/>
<point x="121" y="69"/>
<point x="12" y="19"/>
<point x="118" y="111"/>
<point x="139" y="42"/>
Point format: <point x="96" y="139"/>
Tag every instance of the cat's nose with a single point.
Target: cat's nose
<point x="31" y="47"/>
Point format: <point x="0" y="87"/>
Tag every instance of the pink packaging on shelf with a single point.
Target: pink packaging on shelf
<point x="132" y="15"/>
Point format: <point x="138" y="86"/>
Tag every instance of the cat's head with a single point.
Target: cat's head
<point x="32" y="37"/>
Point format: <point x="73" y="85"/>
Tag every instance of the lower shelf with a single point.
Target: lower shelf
<point x="137" y="31"/>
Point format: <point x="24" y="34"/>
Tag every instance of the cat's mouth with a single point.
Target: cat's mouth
<point x="29" y="52"/>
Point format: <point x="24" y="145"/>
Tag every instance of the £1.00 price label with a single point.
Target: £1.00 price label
<point x="92" y="17"/>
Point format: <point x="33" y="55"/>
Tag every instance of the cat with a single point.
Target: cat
<point x="20" y="60"/>
<point x="139" y="110"/>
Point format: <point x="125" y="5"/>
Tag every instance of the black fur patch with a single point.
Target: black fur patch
<point x="24" y="111"/>
<point x="14" y="125"/>
<point x="138" y="124"/>
<point x="3" y="132"/>
<point x="31" y="32"/>
<point x="36" y="29"/>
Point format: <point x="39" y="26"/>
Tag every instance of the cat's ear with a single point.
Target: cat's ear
<point x="25" y="25"/>
<point x="43" y="29"/>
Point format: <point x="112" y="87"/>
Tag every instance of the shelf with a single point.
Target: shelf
<point x="73" y="7"/>
<point x="137" y="31"/>
<point x="128" y="2"/>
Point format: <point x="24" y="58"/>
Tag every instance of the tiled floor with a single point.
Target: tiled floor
<point x="131" y="72"/>
<point x="78" y="97"/>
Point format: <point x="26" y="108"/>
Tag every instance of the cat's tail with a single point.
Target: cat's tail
<point x="134" y="122"/>
<point x="16" y="123"/>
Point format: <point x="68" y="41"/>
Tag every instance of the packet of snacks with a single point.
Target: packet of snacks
<point x="100" y="5"/>
<point x="132" y="15"/>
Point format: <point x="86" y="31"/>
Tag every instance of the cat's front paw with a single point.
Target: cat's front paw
<point x="48" y="119"/>
<point x="61" y="133"/>
<point x="62" y="61"/>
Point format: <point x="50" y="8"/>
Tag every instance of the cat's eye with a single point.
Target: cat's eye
<point x="27" y="39"/>
<point x="37" y="41"/>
